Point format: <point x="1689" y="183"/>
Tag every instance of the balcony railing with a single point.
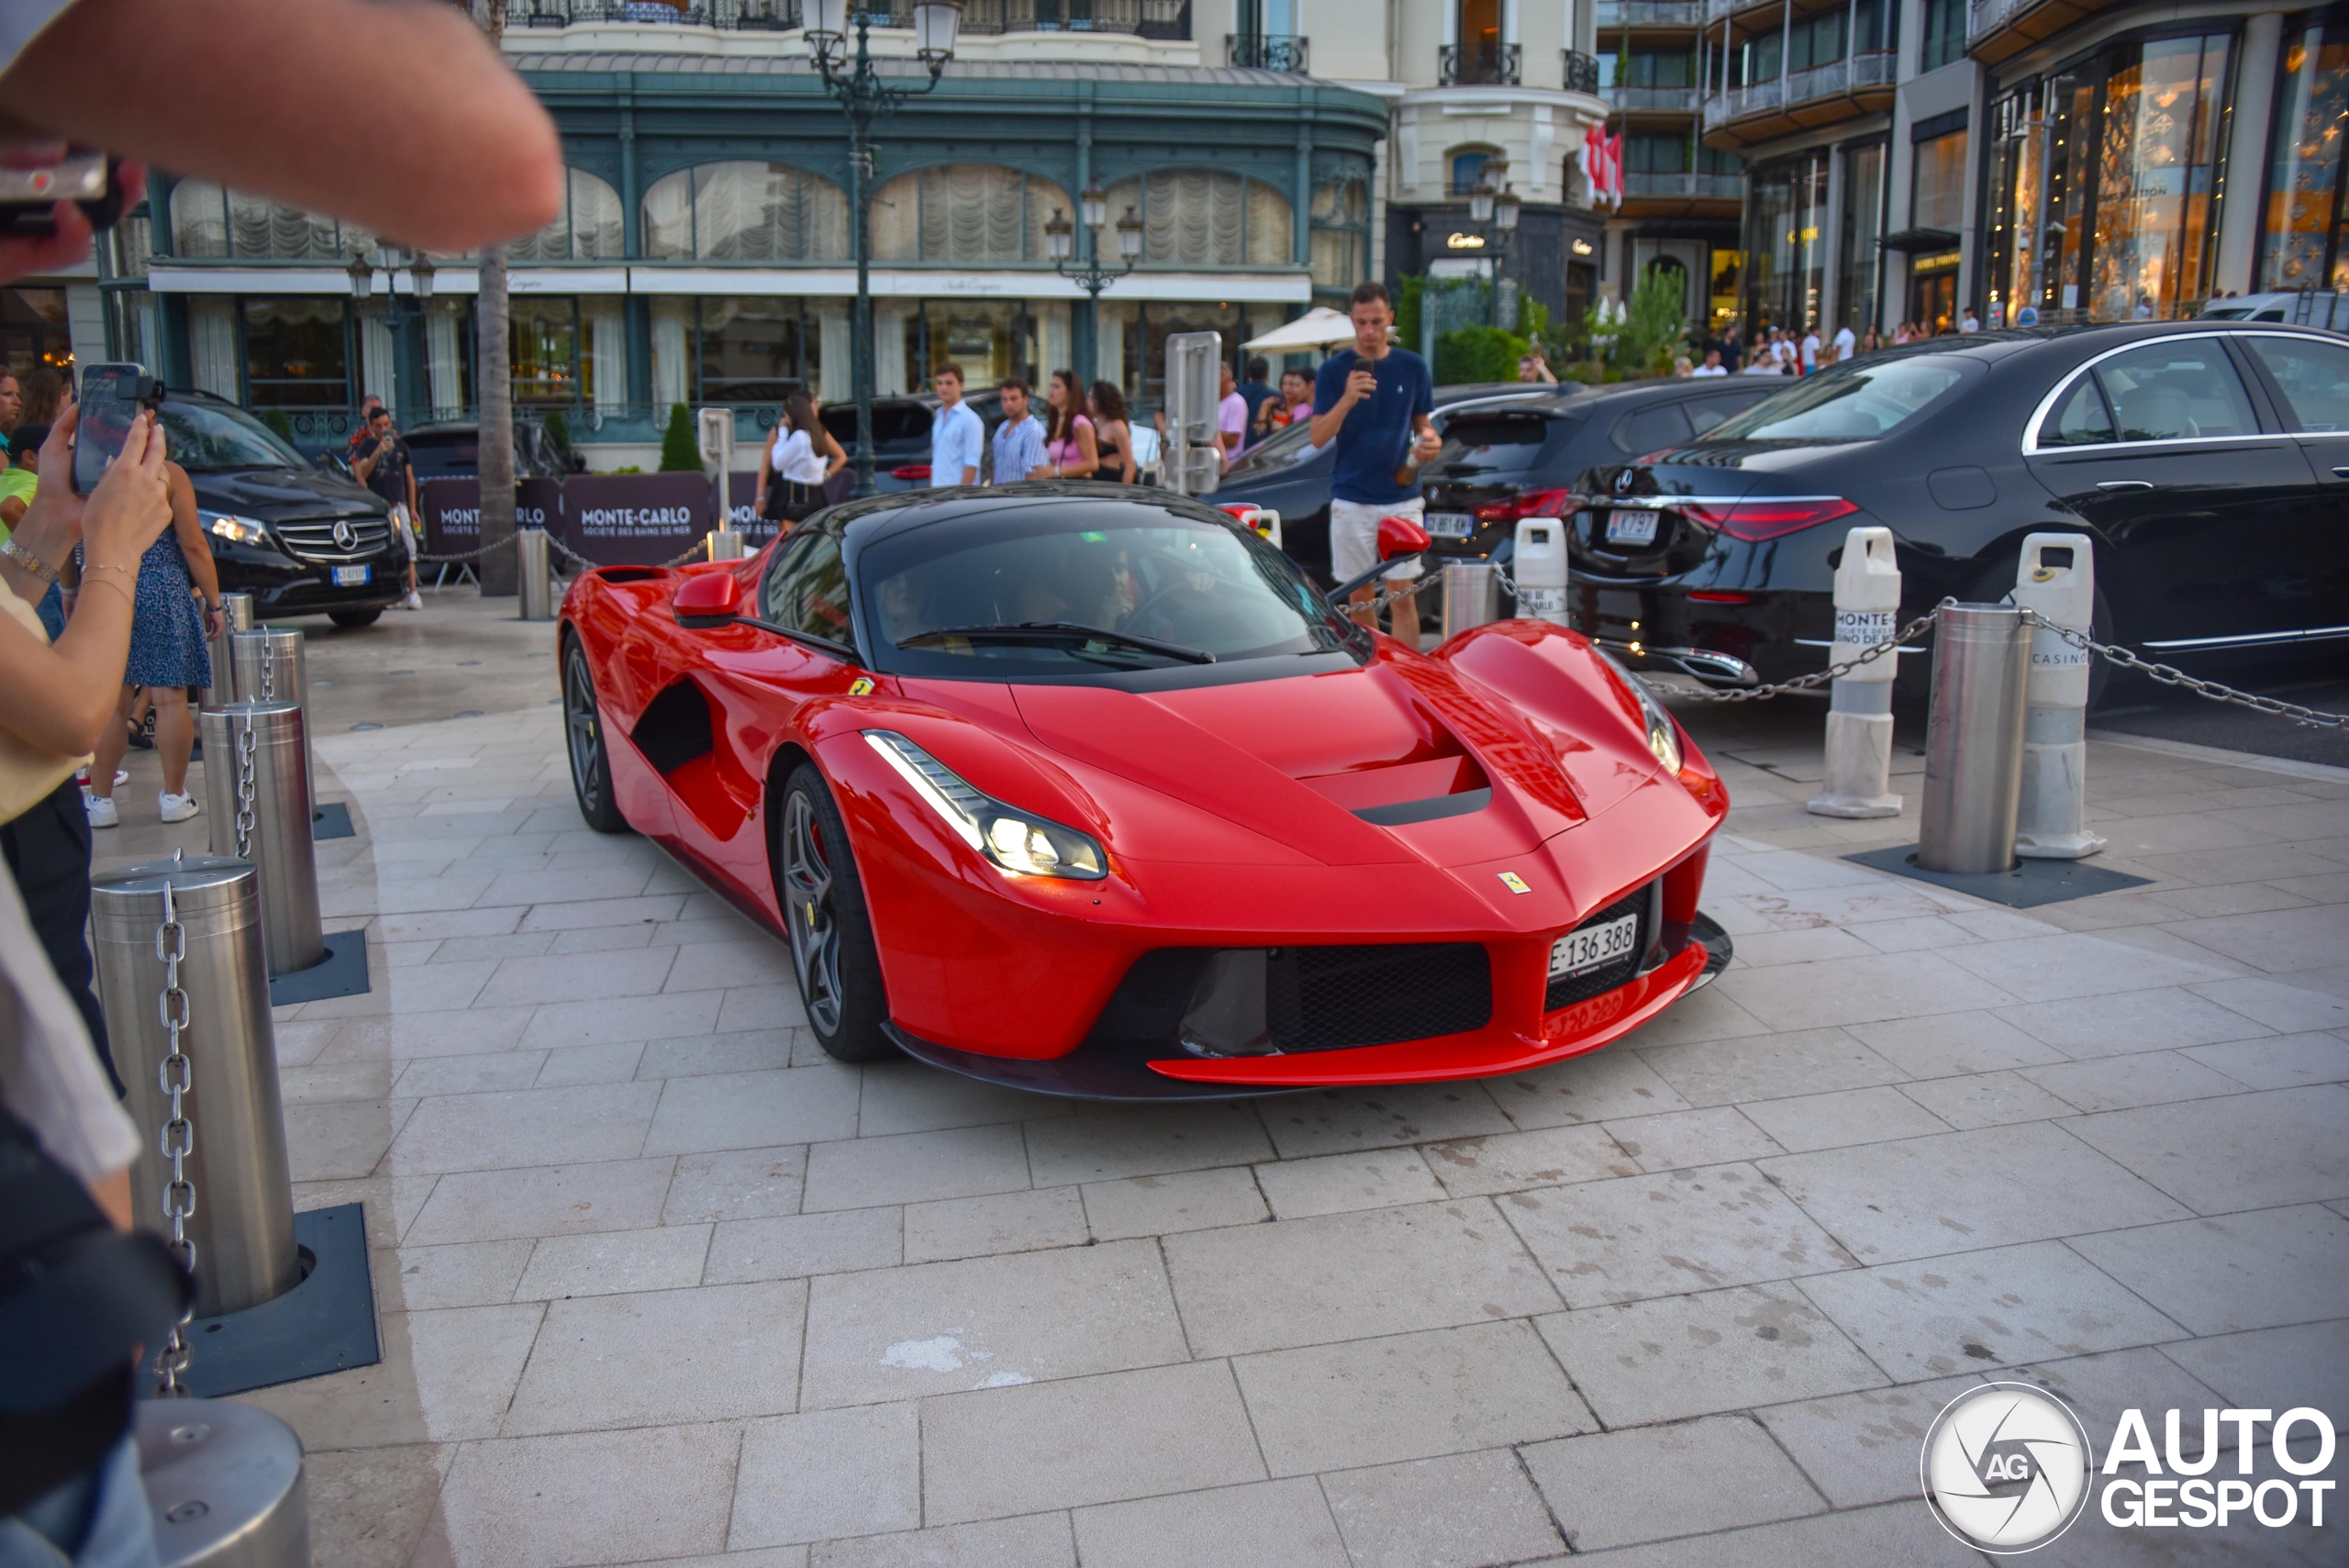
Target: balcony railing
<point x="1147" y="18"/>
<point x="1719" y="188"/>
<point x="1985" y="15"/>
<point x="1581" y="72"/>
<point x="1874" y="69"/>
<point x="1266" y="52"/>
<point x="1716" y="9"/>
<point x="1673" y="100"/>
<point x="1480" y="65"/>
<point x="1649" y="13"/>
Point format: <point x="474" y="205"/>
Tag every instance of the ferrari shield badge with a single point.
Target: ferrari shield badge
<point x="1515" y="882"/>
<point x="861" y="686"/>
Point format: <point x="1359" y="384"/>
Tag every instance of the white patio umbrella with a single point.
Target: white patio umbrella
<point x="1317" y="329"/>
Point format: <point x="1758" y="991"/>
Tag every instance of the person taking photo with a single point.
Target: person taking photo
<point x="1373" y="401"/>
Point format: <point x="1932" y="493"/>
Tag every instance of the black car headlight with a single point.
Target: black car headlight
<point x="1663" y="739"/>
<point x="235" y="529"/>
<point x="1014" y="839"/>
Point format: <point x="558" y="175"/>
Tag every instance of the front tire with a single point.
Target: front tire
<point x="352" y="620"/>
<point x="832" y="948"/>
<point x="591" y="760"/>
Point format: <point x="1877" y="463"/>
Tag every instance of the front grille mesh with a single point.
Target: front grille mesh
<point x="312" y="538"/>
<point x="1568" y="989"/>
<point x="1331" y="998"/>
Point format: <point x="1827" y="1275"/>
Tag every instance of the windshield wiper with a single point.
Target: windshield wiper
<point x="1056" y="631"/>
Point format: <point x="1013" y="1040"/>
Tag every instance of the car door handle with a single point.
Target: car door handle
<point x="2340" y="470"/>
<point x="2124" y="485"/>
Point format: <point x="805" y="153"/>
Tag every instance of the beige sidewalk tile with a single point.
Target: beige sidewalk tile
<point x="2250" y="1150"/>
<point x="1951" y="1044"/>
<point x="2280" y="1061"/>
<point x="963" y="1161"/>
<point x="612" y="1262"/>
<point x="997" y="1223"/>
<point x="525" y="1126"/>
<point x="752" y="1110"/>
<point x="1330" y="1121"/>
<point x="1338" y="1184"/>
<point x="1002" y="1451"/>
<point x="1509" y="1161"/>
<point x="1679" y="1139"/>
<point x="827" y="1474"/>
<point x="547" y="1200"/>
<point x="912" y="1097"/>
<point x="1838" y="1120"/>
<point x="465" y="1273"/>
<point x="736" y="1183"/>
<point x="1465" y="1511"/>
<point x="662" y="1358"/>
<point x="1112" y="1144"/>
<point x="1620" y="1488"/>
<point x="1159" y="1205"/>
<point x="694" y="1056"/>
<point x="1345" y="1276"/>
<point x="2305" y="1364"/>
<point x="1033" y="1541"/>
<point x="1272" y="1524"/>
<point x="551" y="1501"/>
<point x="1406" y="1396"/>
<point x="797" y="1246"/>
<point x="446" y="1376"/>
<point x="1701" y="1354"/>
<point x="1600" y="1086"/>
<point x="2259" y="1269"/>
<point x="2158" y="1019"/>
<point x="2122" y="1082"/>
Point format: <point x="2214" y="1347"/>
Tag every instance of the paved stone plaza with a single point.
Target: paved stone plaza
<point x="658" y="1281"/>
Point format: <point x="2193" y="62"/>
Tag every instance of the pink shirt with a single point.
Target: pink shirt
<point x="1063" y="453"/>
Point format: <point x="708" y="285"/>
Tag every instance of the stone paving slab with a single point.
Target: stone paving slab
<point x="659" y="1284"/>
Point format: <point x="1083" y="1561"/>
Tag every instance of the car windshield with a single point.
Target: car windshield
<point x="1290" y="445"/>
<point x="1160" y="577"/>
<point x="1479" y="442"/>
<point x="210" y="438"/>
<point x="1854" y="402"/>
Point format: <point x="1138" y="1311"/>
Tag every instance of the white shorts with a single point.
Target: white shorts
<point x="1354" y="537"/>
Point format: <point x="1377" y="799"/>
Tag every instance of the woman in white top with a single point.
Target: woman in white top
<point x="797" y="463"/>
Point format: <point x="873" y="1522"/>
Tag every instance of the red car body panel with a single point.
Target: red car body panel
<point x="1227" y="812"/>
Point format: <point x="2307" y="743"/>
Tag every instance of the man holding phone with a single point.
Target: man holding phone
<point x="383" y="465"/>
<point x="1374" y="402"/>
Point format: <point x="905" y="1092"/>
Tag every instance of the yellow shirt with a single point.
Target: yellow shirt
<point x="16" y="485"/>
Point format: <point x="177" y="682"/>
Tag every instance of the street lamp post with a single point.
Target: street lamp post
<point x="362" y="286"/>
<point x="1092" y="206"/>
<point x="862" y="94"/>
<point x="1493" y="203"/>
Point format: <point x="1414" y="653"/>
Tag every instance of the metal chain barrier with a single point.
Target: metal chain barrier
<point x="2169" y="675"/>
<point x="423" y="559"/>
<point x="269" y="668"/>
<point x="175" y="1075"/>
<point x="246" y="746"/>
<point x="1910" y="633"/>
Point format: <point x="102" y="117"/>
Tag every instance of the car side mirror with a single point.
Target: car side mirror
<point x="708" y="599"/>
<point x="1401" y="535"/>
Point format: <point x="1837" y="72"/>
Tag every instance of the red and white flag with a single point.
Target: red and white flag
<point x="1602" y="164"/>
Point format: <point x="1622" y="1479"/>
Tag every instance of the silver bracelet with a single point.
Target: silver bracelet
<point x="29" y="560"/>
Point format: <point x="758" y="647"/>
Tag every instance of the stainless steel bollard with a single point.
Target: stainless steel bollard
<point x="724" y="544"/>
<point x="1472" y="595"/>
<point x="256" y="795"/>
<point x="224" y="1483"/>
<point x="236" y="615"/>
<point x="1974" y="740"/>
<point x="2052" y="822"/>
<point x="272" y="666"/>
<point x="243" y="1220"/>
<point x="534" y="566"/>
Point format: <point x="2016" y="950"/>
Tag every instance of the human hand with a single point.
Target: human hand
<point x="1362" y="383"/>
<point x="68" y="242"/>
<point x="1427" y="446"/>
<point x="216" y="620"/>
<point x="52" y="522"/>
<point x="132" y="504"/>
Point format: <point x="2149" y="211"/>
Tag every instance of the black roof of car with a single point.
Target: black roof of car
<point x="881" y="517"/>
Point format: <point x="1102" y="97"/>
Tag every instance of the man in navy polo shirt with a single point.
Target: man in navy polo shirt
<point x="1374" y="402"/>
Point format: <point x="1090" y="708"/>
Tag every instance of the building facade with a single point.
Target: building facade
<point x="1682" y="196"/>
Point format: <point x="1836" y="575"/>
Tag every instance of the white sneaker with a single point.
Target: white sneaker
<point x="121" y="777"/>
<point x="102" y="812"/>
<point x="176" y="807"/>
<point x="413" y="602"/>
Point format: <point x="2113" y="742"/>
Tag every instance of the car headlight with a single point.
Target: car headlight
<point x="1663" y="739"/>
<point x="235" y="529"/>
<point x="1014" y="839"/>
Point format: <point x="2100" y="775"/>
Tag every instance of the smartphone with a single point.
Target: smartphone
<point x="111" y="396"/>
<point x="29" y="196"/>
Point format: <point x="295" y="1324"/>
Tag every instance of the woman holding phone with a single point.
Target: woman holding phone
<point x="795" y="466"/>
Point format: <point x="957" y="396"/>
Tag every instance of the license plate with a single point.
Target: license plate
<point x="1578" y="952"/>
<point x="351" y="576"/>
<point x="1450" y="525"/>
<point x="1631" y="527"/>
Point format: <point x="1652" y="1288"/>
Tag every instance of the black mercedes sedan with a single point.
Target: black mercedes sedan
<point x="300" y="537"/>
<point x="2207" y="461"/>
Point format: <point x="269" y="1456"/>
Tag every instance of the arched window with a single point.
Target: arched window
<point x="1202" y="217"/>
<point x="1466" y="164"/>
<point x="588" y="229"/>
<point x="1340" y="231"/>
<point x="964" y="211"/>
<point x="209" y="221"/>
<point x="745" y="212"/>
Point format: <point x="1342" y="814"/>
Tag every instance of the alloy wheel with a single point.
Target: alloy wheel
<point x="581" y="722"/>
<point x="810" y="917"/>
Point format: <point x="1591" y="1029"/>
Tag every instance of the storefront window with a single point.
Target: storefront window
<point x="1340" y="233"/>
<point x="1146" y="326"/>
<point x="1859" y="263"/>
<point x="207" y="221"/>
<point x="2155" y="227"/>
<point x="1937" y="194"/>
<point x="2017" y="166"/>
<point x="568" y="352"/>
<point x="990" y="338"/>
<point x="755" y="350"/>
<point x="1200" y="218"/>
<point x="588" y="229"/>
<point x="1786" y="254"/>
<point x="298" y="354"/>
<point x="976" y="213"/>
<point x="746" y="212"/>
<point x="2307" y="240"/>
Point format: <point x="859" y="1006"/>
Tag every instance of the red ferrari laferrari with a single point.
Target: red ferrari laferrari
<point x="1088" y="790"/>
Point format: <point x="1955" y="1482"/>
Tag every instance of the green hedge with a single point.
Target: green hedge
<point x="680" y="444"/>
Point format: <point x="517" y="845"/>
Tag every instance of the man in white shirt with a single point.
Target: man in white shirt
<point x="1969" y="322"/>
<point x="1230" y="418"/>
<point x="1712" y="365"/>
<point x="1809" y="350"/>
<point x="1020" y="440"/>
<point x="1847" y="343"/>
<point x="957" y="434"/>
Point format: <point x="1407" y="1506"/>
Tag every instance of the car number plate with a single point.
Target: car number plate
<point x="1450" y="525"/>
<point x="1587" y="948"/>
<point x="1631" y="527"/>
<point x="351" y="576"/>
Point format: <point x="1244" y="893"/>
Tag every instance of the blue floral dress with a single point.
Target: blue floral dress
<point x="167" y="644"/>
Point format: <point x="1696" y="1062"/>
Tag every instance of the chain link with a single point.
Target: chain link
<point x="174" y="1074"/>
<point x="1910" y="633"/>
<point x="246" y="746"/>
<point x="267" y="667"/>
<point x="2169" y="675"/>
